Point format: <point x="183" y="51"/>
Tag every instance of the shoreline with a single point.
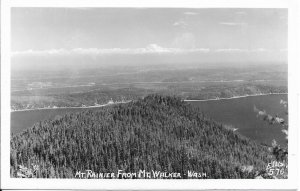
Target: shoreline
<point x="235" y="97"/>
<point x="86" y="107"/>
<point x="186" y="100"/>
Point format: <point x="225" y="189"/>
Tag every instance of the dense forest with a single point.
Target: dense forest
<point x="160" y="133"/>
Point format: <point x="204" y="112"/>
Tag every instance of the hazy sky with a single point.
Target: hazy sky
<point x="258" y="34"/>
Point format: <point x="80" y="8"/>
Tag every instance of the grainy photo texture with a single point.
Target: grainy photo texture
<point x="149" y="93"/>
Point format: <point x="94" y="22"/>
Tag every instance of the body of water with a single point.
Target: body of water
<point x="21" y="120"/>
<point x="239" y="113"/>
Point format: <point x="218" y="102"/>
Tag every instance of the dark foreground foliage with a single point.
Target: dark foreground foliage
<point x="155" y="133"/>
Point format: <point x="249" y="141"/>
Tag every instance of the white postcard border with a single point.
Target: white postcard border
<point x="293" y="96"/>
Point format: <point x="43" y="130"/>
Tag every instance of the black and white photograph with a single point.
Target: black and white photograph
<point x="148" y="93"/>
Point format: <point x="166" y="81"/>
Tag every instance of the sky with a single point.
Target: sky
<point x="168" y="34"/>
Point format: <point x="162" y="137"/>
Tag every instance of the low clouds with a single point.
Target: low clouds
<point x="184" y="22"/>
<point x="190" y="13"/>
<point x="180" y="23"/>
<point x="243" y="50"/>
<point x="183" y="44"/>
<point x="150" y="49"/>
<point x="40" y="52"/>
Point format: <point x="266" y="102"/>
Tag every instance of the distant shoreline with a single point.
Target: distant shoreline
<point x="235" y="97"/>
<point x="85" y="107"/>
<point x="192" y="100"/>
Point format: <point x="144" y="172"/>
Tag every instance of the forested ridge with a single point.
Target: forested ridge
<point x="155" y="133"/>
